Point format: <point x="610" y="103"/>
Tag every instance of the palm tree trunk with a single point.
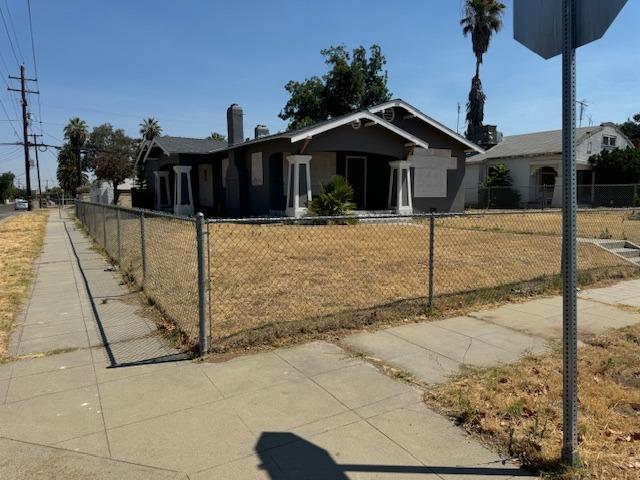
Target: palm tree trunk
<point x="477" y="67"/>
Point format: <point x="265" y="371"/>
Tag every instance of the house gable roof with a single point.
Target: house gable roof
<point x="369" y="116"/>
<point x="536" y="144"/>
<point x="187" y="145"/>
<point x="428" y="120"/>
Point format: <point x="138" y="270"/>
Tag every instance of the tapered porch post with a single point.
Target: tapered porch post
<point x="400" y="195"/>
<point x="298" y="185"/>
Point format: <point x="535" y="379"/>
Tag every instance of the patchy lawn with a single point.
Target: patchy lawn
<point x="21" y="239"/>
<point x="518" y="408"/>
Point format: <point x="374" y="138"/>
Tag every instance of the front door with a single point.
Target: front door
<point x="356" y="173"/>
<point x="205" y="184"/>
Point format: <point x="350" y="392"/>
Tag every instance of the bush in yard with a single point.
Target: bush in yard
<point x="335" y="199"/>
<point x="496" y="190"/>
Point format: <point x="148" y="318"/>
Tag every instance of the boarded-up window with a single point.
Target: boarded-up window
<point x="323" y="167"/>
<point x="256" y="168"/>
<point x="225" y="167"/>
<point x="430" y="173"/>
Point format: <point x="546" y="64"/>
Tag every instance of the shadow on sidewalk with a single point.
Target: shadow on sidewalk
<point x="128" y="339"/>
<point x="285" y="455"/>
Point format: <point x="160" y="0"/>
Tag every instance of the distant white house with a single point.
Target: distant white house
<point x="102" y="192"/>
<point x="535" y="163"/>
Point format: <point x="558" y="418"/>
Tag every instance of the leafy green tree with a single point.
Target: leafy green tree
<point x="150" y="128"/>
<point x="354" y="81"/>
<point x="631" y="128"/>
<point x="76" y="133"/>
<point x="482" y="18"/>
<point x="67" y="172"/>
<point x="621" y="166"/>
<point x="110" y="152"/>
<point x="217" y="137"/>
<point x="497" y="190"/>
<point x="335" y="199"/>
<point x="498" y="176"/>
<point x="7" y="189"/>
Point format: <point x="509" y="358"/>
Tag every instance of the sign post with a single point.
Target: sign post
<point x="569" y="207"/>
<point x="549" y="28"/>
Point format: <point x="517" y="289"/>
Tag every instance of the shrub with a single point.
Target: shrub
<point x="335" y="199"/>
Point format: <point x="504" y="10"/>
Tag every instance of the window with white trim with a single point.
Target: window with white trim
<point x="608" y="141"/>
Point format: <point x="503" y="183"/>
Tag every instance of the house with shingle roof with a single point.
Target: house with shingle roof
<point x="534" y="161"/>
<point x="395" y="157"/>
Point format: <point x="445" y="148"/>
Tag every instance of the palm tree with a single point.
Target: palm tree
<point x="150" y="128"/>
<point x="77" y="133"/>
<point x="67" y="172"/>
<point x="482" y="18"/>
<point x="217" y="136"/>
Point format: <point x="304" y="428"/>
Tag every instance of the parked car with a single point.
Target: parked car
<point x="21" y="204"/>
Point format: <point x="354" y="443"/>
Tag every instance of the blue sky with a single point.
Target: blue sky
<point x="185" y="61"/>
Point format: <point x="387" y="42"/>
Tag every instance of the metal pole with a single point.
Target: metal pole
<point x="104" y="227"/>
<point x="202" y="286"/>
<point x="569" y="207"/>
<point x="209" y="311"/>
<point x="143" y="252"/>
<point x="118" y="237"/>
<point x="432" y="234"/>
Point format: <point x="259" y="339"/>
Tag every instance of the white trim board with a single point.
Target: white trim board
<point x="428" y="120"/>
<point x="358" y="116"/>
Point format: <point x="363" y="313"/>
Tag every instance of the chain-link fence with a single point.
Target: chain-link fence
<point x="271" y="278"/>
<point x="157" y="252"/>
<point x="539" y="197"/>
<point x="255" y="281"/>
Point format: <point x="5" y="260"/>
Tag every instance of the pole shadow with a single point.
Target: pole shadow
<point x="285" y="455"/>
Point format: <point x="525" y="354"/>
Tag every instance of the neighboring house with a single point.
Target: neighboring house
<point x="535" y="163"/>
<point x="102" y="192"/>
<point x="394" y="156"/>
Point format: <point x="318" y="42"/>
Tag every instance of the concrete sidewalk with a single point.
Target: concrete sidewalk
<point x="310" y="411"/>
<point x="433" y="351"/>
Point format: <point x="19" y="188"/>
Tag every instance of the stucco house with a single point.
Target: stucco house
<point x="535" y="163"/>
<point x="395" y="157"/>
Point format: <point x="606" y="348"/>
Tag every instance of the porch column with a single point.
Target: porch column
<point x="400" y="195"/>
<point x="162" y="182"/>
<point x="556" y="201"/>
<point x="183" y="201"/>
<point x="298" y="185"/>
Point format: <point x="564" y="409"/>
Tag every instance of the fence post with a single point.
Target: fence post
<point x="203" y="339"/>
<point x="143" y="251"/>
<point x="635" y="195"/>
<point x="488" y="198"/>
<point x="432" y="234"/>
<point x="104" y="227"/>
<point x="119" y="237"/>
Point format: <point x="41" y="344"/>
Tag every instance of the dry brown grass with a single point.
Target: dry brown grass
<point x="518" y="408"/>
<point x="621" y="224"/>
<point x="275" y="280"/>
<point x="21" y="239"/>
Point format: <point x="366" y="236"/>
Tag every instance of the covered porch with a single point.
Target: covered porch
<point x="381" y="183"/>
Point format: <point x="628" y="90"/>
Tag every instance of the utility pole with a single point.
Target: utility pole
<point x="25" y="127"/>
<point x="35" y="146"/>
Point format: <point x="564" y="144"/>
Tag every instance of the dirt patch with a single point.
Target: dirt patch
<point x="518" y="408"/>
<point x="21" y="240"/>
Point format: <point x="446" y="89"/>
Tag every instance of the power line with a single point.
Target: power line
<point x="9" y="118"/>
<point x="35" y="64"/>
<point x="13" y="29"/>
<point x="6" y="29"/>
